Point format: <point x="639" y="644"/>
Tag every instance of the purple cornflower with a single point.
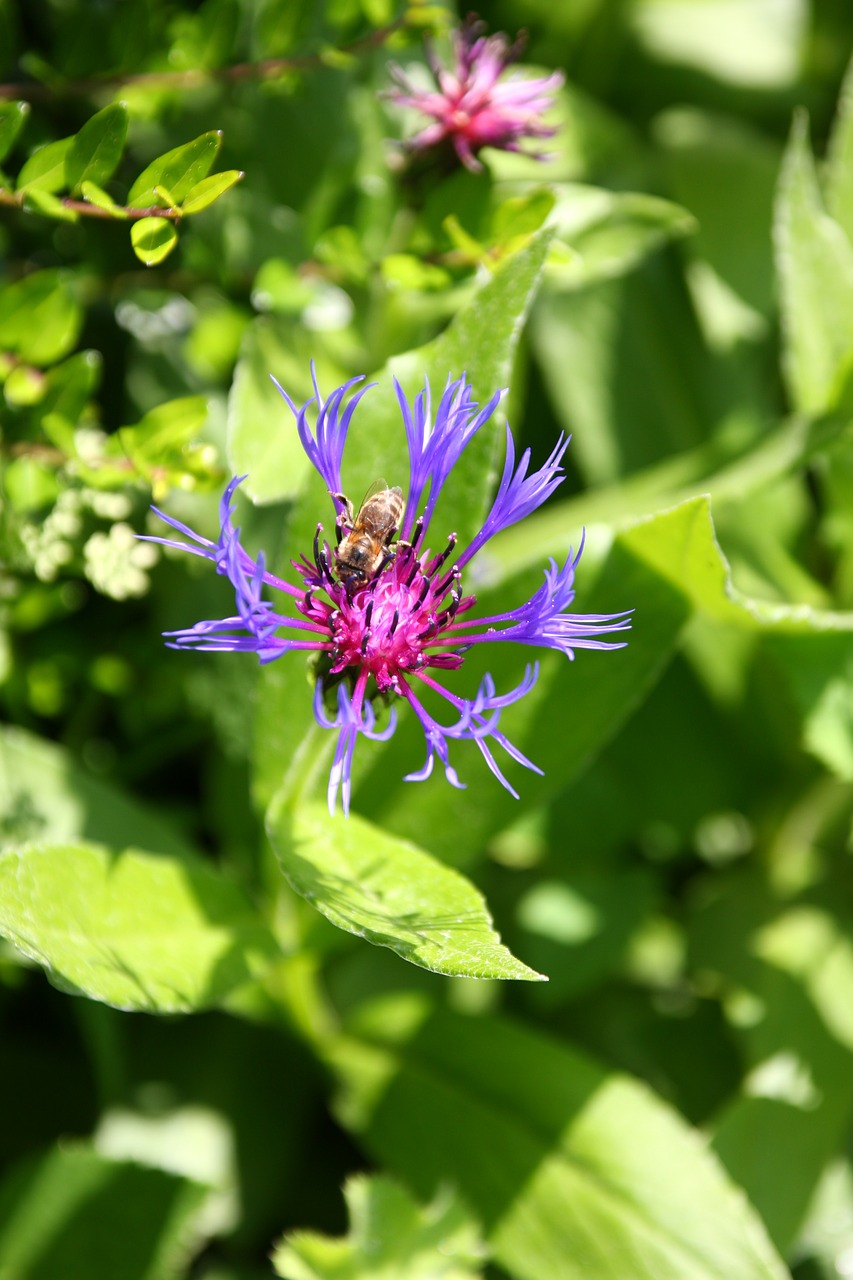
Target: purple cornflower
<point x="470" y="107"/>
<point x="384" y="626"/>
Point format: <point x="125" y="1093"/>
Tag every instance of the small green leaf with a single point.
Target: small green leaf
<point x="135" y="930"/>
<point x="97" y="196"/>
<point x="97" y="147"/>
<point x="163" y="432"/>
<point x="209" y="189"/>
<point x="39" y="317"/>
<point x="179" y="170"/>
<point x="164" y="195"/>
<point x="390" y="1235"/>
<point x="390" y="892"/>
<point x="45" y="168"/>
<point x="24" y="385"/>
<point x="153" y="239"/>
<point x="38" y="201"/>
<point x="814" y="261"/>
<point x="12" y="117"/>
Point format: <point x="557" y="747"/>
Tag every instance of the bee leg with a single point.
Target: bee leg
<point x="344" y="520"/>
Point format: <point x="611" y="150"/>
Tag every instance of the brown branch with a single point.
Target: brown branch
<point x="15" y="199"/>
<point x="266" y="69"/>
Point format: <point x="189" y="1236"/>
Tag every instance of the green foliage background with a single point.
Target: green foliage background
<point x="241" y="1038"/>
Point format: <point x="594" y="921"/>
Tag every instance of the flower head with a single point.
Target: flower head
<point x="382" y="611"/>
<point x="471" y="107"/>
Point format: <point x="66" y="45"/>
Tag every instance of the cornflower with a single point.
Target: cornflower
<point x="384" y="617"/>
<point x="471" y="107"/>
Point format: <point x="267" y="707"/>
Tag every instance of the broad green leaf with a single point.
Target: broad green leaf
<point x="839" y="159"/>
<point x="74" y="1214"/>
<point x="814" y="262"/>
<point x="209" y="189"/>
<point x="819" y="673"/>
<point x="153" y="239"/>
<point x="179" y="169"/>
<point x="681" y="546"/>
<point x="576" y="1172"/>
<point x="45" y="168"/>
<point x="262" y="441"/>
<point x="610" y="232"/>
<point x="389" y="892"/>
<point x="390" y="1236"/>
<point x="666" y="567"/>
<point x="707" y="157"/>
<point x="40" y="317"/>
<point x="102" y="199"/>
<point x="46" y="796"/>
<point x="38" y="201"/>
<point x="792" y="969"/>
<point x="97" y="147"/>
<point x="12" y="117"/>
<point x="135" y="930"/>
<point x="481" y="341"/>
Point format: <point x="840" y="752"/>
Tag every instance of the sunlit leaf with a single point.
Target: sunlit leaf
<point x="389" y="892"/>
<point x="12" y="118"/>
<point x="814" y="261"/>
<point x="390" y="1234"/>
<point x="38" y="201"/>
<point x="102" y="199"/>
<point x="45" y="169"/>
<point x="40" y="317"/>
<point x="209" y="189"/>
<point x="62" y="1211"/>
<point x="96" y="150"/>
<point x="135" y="930"/>
<point x="576" y="1172"/>
<point x="179" y="170"/>
<point x="153" y="239"/>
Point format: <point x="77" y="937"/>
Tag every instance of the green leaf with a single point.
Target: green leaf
<point x="819" y="673"/>
<point x="389" y="892"/>
<point x="814" y="262"/>
<point x="209" y="189"/>
<point x="707" y="156"/>
<point x="97" y="147"/>
<point x="576" y="1172"/>
<point x="12" y="117"/>
<point x="839" y="159"/>
<point x="390" y="1235"/>
<point x="263" y="443"/>
<point x="135" y="930"/>
<point x="75" y="1214"/>
<point x="611" y="232"/>
<point x="24" y="386"/>
<point x="45" y="169"/>
<point x="179" y="169"/>
<point x="37" y="201"/>
<point x="164" y="431"/>
<point x="102" y="199"/>
<point x="792" y="965"/>
<point x="153" y="239"/>
<point x="40" y="317"/>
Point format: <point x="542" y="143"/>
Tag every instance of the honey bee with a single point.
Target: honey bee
<point x="366" y="546"/>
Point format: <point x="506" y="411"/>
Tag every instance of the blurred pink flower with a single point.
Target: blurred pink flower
<point x="471" y="108"/>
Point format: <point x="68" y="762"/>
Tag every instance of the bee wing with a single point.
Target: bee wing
<point x="378" y="486"/>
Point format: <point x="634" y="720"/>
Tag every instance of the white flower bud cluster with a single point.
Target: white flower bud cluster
<point x="49" y="544"/>
<point x="115" y="562"/>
